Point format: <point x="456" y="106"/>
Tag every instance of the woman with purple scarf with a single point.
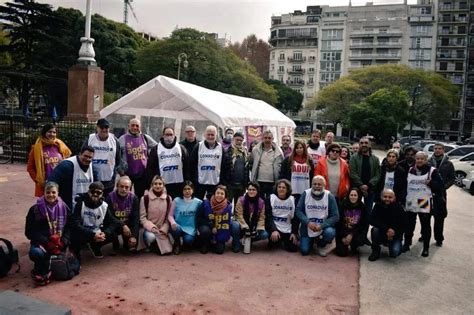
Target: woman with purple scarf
<point x="249" y="216"/>
<point x="47" y="227"/>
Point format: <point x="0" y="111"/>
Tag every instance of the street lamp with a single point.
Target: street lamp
<point x="416" y="92"/>
<point x="185" y="62"/>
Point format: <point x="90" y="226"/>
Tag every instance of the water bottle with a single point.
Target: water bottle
<point x="247" y="244"/>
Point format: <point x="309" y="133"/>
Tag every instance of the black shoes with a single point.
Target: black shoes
<point x="439" y="243"/>
<point x="420" y="239"/>
<point x="374" y="256"/>
<point x="425" y="252"/>
<point x="96" y="252"/>
<point x="405" y="248"/>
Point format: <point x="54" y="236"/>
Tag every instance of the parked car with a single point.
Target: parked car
<point x="420" y="144"/>
<point x="429" y="148"/>
<point x="406" y="140"/>
<point x="468" y="182"/>
<point x="462" y="167"/>
<point x="460" y="151"/>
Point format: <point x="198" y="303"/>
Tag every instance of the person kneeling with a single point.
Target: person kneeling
<point x="93" y="223"/>
<point x="387" y="221"/>
<point x="280" y="218"/>
<point x="48" y="225"/>
<point x="123" y="205"/>
<point x="317" y="210"/>
<point x="249" y="218"/>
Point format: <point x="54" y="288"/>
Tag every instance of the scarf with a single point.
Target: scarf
<point x="300" y="159"/>
<point x="252" y="207"/>
<point x="121" y="203"/>
<point x="218" y="206"/>
<point x="314" y="146"/>
<point x="55" y="215"/>
<point x="38" y="154"/>
<point x="236" y="152"/>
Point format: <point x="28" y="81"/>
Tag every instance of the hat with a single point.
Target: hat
<point x="189" y="128"/>
<point x="238" y="134"/>
<point x="103" y="123"/>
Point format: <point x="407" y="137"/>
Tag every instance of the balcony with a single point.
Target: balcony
<point x="450" y="56"/>
<point x="295" y="83"/>
<point x="453" y="7"/>
<point x="453" y="44"/>
<point x="375" y="56"/>
<point x="296" y="60"/>
<point x="281" y="59"/>
<point x="375" y="33"/>
<point x="448" y="69"/>
<point x="295" y="71"/>
<point x="453" y="19"/>
<point x="421" y="18"/>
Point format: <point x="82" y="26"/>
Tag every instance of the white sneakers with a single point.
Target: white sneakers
<point x="323" y="251"/>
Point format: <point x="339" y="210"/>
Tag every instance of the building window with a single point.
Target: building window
<point x="443" y="66"/>
<point x="459" y="66"/>
<point x="311" y="70"/>
<point x="282" y="57"/>
<point x="281" y="69"/>
<point x="298" y="55"/>
<point x="272" y="67"/>
<point x="312" y="59"/>
<point x="273" y="55"/>
<point x="280" y="78"/>
<point x="425" y="10"/>
<point x="331" y="56"/>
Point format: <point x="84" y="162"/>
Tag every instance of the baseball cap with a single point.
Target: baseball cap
<point x="103" y="123"/>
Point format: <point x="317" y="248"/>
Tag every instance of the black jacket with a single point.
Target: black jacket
<point x="445" y="169"/>
<point x="133" y="221"/>
<point x="228" y="169"/>
<point x="399" y="180"/>
<point x="387" y="217"/>
<point x="110" y="226"/>
<point x="37" y="229"/>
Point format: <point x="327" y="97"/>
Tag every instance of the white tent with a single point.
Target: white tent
<point x="178" y="102"/>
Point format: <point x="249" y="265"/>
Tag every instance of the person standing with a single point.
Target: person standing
<point x="265" y="163"/>
<point x="237" y="171"/>
<point x="440" y="210"/>
<point x="298" y="169"/>
<point x="365" y="172"/>
<point x="206" y="163"/>
<point x="47" y="152"/>
<point x="318" y="212"/>
<point x="169" y="159"/>
<point x="74" y="175"/>
<point x="329" y="139"/>
<point x="190" y="140"/>
<point x="335" y="171"/>
<point x="227" y="141"/>
<point x="108" y="155"/>
<point x="355" y="148"/>
<point x="136" y="148"/>
<point x="390" y="172"/>
<point x="285" y="146"/>
<point x="422" y="182"/>
<point x="316" y="149"/>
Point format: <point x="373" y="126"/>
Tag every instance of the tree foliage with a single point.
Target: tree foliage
<point x="288" y="99"/>
<point x="209" y="65"/>
<point x="437" y="100"/>
<point x="256" y="52"/>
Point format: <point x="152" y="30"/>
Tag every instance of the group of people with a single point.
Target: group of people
<point x="205" y="193"/>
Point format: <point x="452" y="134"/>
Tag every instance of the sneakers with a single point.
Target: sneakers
<point x="41" y="280"/>
<point x="374" y="256"/>
<point x="323" y="251"/>
<point x="96" y="252"/>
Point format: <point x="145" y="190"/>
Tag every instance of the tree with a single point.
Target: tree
<point x="380" y="114"/>
<point x="437" y="100"/>
<point x="288" y="99"/>
<point x="209" y="65"/>
<point x="256" y="52"/>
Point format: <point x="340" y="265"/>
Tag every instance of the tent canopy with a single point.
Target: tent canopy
<point x="170" y="98"/>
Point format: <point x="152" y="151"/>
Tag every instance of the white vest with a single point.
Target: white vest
<point x="389" y="180"/>
<point x="299" y="177"/>
<point x="104" y="156"/>
<point x="418" y="193"/>
<point x="283" y="212"/>
<point x="80" y="179"/>
<point x="93" y="218"/>
<point x="209" y="164"/>
<point x="317" y="154"/>
<point x="170" y="162"/>
<point x="316" y="210"/>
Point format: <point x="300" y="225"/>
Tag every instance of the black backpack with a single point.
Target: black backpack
<point x="64" y="266"/>
<point x="8" y="258"/>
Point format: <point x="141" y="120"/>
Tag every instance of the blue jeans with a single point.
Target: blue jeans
<point x="261" y="235"/>
<point x="40" y="260"/>
<point x="379" y="237"/>
<point x="148" y="238"/>
<point x="188" y="239"/>
<point x="306" y="242"/>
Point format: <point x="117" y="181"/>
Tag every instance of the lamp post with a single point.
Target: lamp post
<point x="86" y="52"/>
<point x="185" y="62"/>
<point x="416" y="92"/>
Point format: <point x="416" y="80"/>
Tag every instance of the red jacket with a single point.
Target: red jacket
<point x="344" y="182"/>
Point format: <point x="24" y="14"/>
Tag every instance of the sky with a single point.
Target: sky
<point x="233" y="19"/>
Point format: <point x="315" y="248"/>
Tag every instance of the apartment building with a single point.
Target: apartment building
<point x="312" y="49"/>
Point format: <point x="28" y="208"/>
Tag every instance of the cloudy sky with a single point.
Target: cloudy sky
<point x="232" y="18"/>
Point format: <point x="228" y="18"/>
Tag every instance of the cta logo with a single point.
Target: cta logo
<point x="170" y="168"/>
<point x="208" y="168"/>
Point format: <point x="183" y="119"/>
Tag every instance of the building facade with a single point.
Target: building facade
<point x="312" y="49"/>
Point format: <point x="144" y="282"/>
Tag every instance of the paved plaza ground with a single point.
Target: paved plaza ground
<point x="263" y="282"/>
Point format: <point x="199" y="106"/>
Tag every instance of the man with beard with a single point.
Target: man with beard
<point x="124" y="206"/>
<point x="317" y="210"/>
<point x="285" y="146"/>
<point x="136" y="147"/>
<point x="446" y="170"/>
<point x="329" y="139"/>
<point x="169" y="160"/>
<point x="316" y="149"/>
<point x="237" y="172"/>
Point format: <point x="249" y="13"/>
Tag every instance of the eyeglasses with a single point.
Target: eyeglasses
<point x="96" y="192"/>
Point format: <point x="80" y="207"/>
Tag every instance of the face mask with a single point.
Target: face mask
<point x="168" y="140"/>
<point x="228" y="137"/>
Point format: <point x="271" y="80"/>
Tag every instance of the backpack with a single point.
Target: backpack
<point x="8" y="258"/>
<point x="64" y="266"/>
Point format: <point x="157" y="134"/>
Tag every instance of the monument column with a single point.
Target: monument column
<point x="85" y="80"/>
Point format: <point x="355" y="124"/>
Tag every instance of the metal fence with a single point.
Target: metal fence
<point x="21" y="133"/>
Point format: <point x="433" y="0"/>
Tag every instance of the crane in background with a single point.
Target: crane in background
<point x="126" y="5"/>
